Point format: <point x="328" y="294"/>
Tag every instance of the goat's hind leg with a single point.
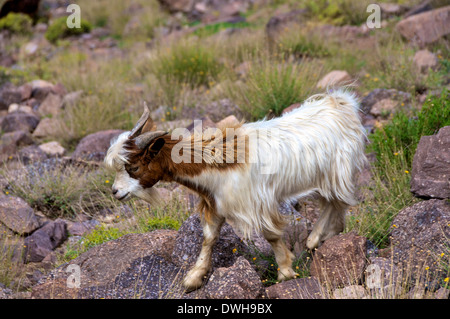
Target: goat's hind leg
<point x="211" y="231"/>
<point x="331" y="222"/>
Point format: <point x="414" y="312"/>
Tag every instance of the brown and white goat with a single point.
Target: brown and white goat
<point x="316" y="148"/>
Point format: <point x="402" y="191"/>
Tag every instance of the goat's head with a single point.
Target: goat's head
<point x="131" y="155"/>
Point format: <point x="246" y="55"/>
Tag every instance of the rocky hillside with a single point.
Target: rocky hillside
<point x="65" y="93"/>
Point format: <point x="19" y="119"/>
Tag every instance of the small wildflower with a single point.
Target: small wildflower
<point x="168" y="113"/>
<point x="367" y="75"/>
<point x="395" y="154"/>
<point x="426" y="268"/>
<point x="7" y="193"/>
<point x="278" y="268"/>
<point x="447" y="279"/>
<point x="375" y="79"/>
<point x="406" y="172"/>
<point x="107" y="181"/>
<point x="234" y="250"/>
<point x="254" y="258"/>
<point x="394" y="226"/>
<point x="296" y="267"/>
<point x="442" y="254"/>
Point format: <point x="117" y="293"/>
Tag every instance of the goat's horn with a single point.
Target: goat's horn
<point x="142" y="141"/>
<point x="140" y="124"/>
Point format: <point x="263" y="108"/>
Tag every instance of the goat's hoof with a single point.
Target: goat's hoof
<point x="287" y="274"/>
<point x="191" y="283"/>
<point x="313" y="241"/>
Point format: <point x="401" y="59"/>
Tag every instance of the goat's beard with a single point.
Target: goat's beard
<point x="150" y="195"/>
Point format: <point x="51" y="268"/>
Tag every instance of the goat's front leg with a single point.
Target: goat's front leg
<point x="211" y="231"/>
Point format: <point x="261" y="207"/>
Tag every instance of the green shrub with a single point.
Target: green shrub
<point x="16" y="23"/>
<point x="59" y="29"/>
<point x="165" y="222"/>
<point x="404" y="132"/>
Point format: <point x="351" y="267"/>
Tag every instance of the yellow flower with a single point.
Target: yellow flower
<point x="426" y="268"/>
<point x="442" y="255"/>
<point x="446" y="279"/>
<point x="375" y="79"/>
<point x="7" y="193"/>
<point x="254" y="258"/>
<point x="234" y="250"/>
<point x="107" y="181"/>
<point x="406" y="172"/>
<point x="367" y="75"/>
<point x="395" y="154"/>
<point x="394" y="226"/>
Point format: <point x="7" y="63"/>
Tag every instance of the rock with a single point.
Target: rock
<point x="419" y="236"/>
<point x="300" y="288"/>
<point x="240" y="281"/>
<point x="351" y="292"/>
<point x="341" y="260"/>
<point x="94" y="146"/>
<point x="178" y="5"/>
<point x="19" y="121"/>
<point x="41" y="88"/>
<point x="430" y="175"/>
<point x="102" y="266"/>
<point x="17" y="215"/>
<point x="44" y="240"/>
<point x="229" y="121"/>
<point x="206" y="123"/>
<point x="292" y="107"/>
<point x="427" y="27"/>
<point x="384" y="107"/>
<point x="189" y="242"/>
<point x="442" y="293"/>
<point x="81" y="228"/>
<point x="425" y="60"/>
<point x="47" y="127"/>
<point x="30" y="154"/>
<point x="334" y="78"/>
<point x="389" y="10"/>
<point x="380" y="94"/>
<point x="420" y="8"/>
<point x="51" y="105"/>
<point x="53" y="149"/>
<point x="9" y="94"/>
<point x="23" y="6"/>
<point x="17" y="138"/>
<point x="283" y="22"/>
<point x="383" y="278"/>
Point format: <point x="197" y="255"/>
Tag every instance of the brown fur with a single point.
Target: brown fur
<point x="150" y="166"/>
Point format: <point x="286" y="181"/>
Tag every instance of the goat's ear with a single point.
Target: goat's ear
<point x="156" y="147"/>
<point x="144" y="140"/>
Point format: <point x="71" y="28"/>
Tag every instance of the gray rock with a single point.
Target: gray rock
<point x="300" y="288"/>
<point x="94" y="146"/>
<point x="419" y="235"/>
<point x="381" y="94"/>
<point x="44" y="240"/>
<point x="189" y="242"/>
<point x="430" y="175"/>
<point x="19" y="121"/>
<point x="17" y="215"/>
<point x="240" y="281"/>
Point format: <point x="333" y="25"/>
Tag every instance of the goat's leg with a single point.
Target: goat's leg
<point x="282" y="255"/>
<point x="331" y="222"/>
<point x="211" y="231"/>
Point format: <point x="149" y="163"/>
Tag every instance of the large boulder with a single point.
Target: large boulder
<point x="419" y="238"/>
<point x="430" y="175"/>
<point x="103" y="264"/>
<point x="341" y="260"/>
<point x="94" y="146"/>
<point x="189" y="243"/>
<point x="333" y="78"/>
<point x="427" y="27"/>
<point x="17" y="215"/>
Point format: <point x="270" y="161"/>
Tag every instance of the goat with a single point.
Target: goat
<point x="317" y="148"/>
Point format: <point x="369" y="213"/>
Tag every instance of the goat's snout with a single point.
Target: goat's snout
<point x="114" y="190"/>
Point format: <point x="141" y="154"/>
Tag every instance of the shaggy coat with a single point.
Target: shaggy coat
<point x="314" y="149"/>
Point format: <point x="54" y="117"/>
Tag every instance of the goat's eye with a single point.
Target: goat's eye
<point x="132" y="169"/>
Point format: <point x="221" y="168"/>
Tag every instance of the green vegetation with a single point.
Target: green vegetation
<point x="16" y="23"/>
<point x="58" y="29"/>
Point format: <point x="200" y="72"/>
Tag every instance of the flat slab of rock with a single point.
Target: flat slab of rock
<point x="17" y="215"/>
<point x="430" y="175"/>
